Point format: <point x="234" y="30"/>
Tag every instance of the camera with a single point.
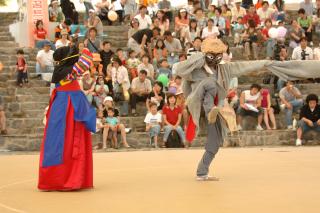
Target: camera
<point x="304" y="55"/>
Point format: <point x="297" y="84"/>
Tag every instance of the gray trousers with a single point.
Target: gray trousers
<point x="214" y="141"/>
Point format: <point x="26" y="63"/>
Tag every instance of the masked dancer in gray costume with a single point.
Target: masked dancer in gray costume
<point x="206" y="77"/>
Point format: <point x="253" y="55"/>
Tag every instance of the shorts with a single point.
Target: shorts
<point x="154" y="131"/>
<point x="305" y="127"/>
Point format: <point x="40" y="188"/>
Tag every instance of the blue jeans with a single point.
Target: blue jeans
<point x="154" y="131"/>
<point x="39" y="44"/>
<point x="305" y="127"/>
<point x="46" y="69"/>
<point x="270" y="43"/>
<point x="169" y="129"/>
<point x="296" y="105"/>
<point x="280" y="84"/>
<point x="173" y="59"/>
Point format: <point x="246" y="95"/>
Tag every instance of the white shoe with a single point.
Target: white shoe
<point x="259" y="128"/>
<point x="298" y="142"/>
<point x="282" y="107"/>
<point x="206" y="178"/>
<point x="239" y="128"/>
<point x="290" y="127"/>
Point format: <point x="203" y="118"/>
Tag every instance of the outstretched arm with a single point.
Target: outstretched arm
<point x="236" y="69"/>
<point x="185" y="68"/>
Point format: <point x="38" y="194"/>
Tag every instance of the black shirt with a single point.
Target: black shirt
<point x="161" y="102"/>
<point x="106" y="58"/>
<point x="139" y="35"/>
<point x="306" y="113"/>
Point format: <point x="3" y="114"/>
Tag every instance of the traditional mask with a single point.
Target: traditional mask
<point x="213" y="59"/>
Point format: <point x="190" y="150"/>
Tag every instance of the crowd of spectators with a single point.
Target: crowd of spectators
<point x="158" y="39"/>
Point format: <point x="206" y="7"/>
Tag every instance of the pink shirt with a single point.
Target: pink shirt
<point x="264" y="101"/>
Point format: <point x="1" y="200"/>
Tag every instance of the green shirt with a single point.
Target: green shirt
<point x="305" y="22"/>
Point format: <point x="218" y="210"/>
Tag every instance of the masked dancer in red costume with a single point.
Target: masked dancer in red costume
<point x="66" y="150"/>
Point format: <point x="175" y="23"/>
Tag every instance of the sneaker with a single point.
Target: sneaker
<point x="290" y="127"/>
<point x="206" y="178"/>
<point x="128" y="130"/>
<point x="239" y="128"/>
<point x="259" y="128"/>
<point x="282" y="107"/>
<point x="298" y="142"/>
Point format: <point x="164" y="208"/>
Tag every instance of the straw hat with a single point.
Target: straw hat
<point x="212" y="45"/>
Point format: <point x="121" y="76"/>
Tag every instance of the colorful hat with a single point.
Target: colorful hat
<point x="84" y="63"/>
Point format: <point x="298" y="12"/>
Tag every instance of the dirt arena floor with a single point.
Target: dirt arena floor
<point x="283" y="179"/>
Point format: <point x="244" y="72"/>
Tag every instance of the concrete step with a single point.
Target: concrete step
<point x="24" y="123"/>
<point x="33" y="91"/>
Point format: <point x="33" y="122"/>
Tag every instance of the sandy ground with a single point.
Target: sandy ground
<point x="284" y="179"/>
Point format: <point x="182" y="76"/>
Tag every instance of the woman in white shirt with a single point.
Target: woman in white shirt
<point x="63" y="41"/>
<point x="210" y="31"/>
<point x="120" y="78"/>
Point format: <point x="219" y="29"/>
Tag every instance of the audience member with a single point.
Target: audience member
<point x="93" y="43"/>
<point x="87" y="85"/>
<point x="267" y="109"/>
<point x="308" y="7"/>
<point x="132" y="64"/>
<point x="69" y="11"/>
<point x="165" y="5"/>
<point x="250" y="39"/>
<point x="251" y="15"/>
<point x="21" y="68"/>
<point x="101" y="91"/>
<point x="143" y="18"/>
<point x="63" y="41"/>
<point x="302" y="52"/>
<point x="173" y="46"/>
<point x="106" y="54"/>
<point x="309" y="117"/>
<point x="279" y="6"/>
<point x="292" y="101"/>
<point x="147" y="66"/>
<point x="156" y="96"/>
<point x="305" y="23"/>
<point x="45" y="61"/>
<point x="55" y="12"/>
<point x="265" y="12"/>
<point x="159" y="52"/>
<point x="211" y="30"/>
<point x="237" y="11"/>
<point x="182" y="24"/>
<point x="95" y="22"/>
<point x="296" y="33"/>
<point x="250" y="105"/>
<point x="153" y="122"/>
<point x="64" y="25"/>
<point x="140" y="90"/>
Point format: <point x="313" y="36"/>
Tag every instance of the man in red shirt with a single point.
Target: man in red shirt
<point x="172" y="117"/>
<point x="251" y="15"/>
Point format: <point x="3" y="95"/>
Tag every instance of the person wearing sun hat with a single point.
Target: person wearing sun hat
<point x="66" y="150"/>
<point x="55" y="12"/>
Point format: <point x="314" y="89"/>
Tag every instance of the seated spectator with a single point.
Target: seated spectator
<point x="153" y="122"/>
<point x="181" y="24"/>
<point x="296" y="33"/>
<point x="238" y="29"/>
<point x="97" y="68"/>
<point x="102" y="9"/>
<point x="196" y="47"/>
<point x="250" y="39"/>
<point x="193" y="30"/>
<point x="101" y="92"/>
<point x="134" y="27"/>
<point x="130" y="8"/>
<point x="140" y="90"/>
<point x="280" y="8"/>
<point x="95" y="22"/>
<point x="164" y="68"/>
<point x="201" y="18"/>
<point x="164" y="22"/>
<point x="172" y="115"/>
<point x="147" y="66"/>
<point x="112" y="123"/>
<point x="267" y="109"/>
<point x="121" y="83"/>
<point x="265" y="12"/>
<point x="63" y="41"/>
<point x="40" y="35"/>
<point x="106" y="54"/>
<point x="302" y="52"/>
<point x="118" y="7"/>
<point x="64" y="25"/>
<point x="21" y="68"/>
<point x="250" y="105"/>
<point x="165" y="6"/>
<point x="157" y="96"/>
<point x="268" y="42"/>
<point x="100" y="123"/>
<point x="227" y="56"/>
<point x="308" y="7"/>
<point x="159" y="52"/>
<point x="93" y="43"/>
<point x="143" y="18"/>
<point x="305" y="23"/>
<point x="226" y="14"/>
<point x="132" y="64"/>
<point x="309" y="117"/>
<point x="291" y="100"/>
<point x="173" y="46"/>
<point x="87" y="85"/>
<point x="212" y="11"/>
<point x="108" y="103"/>
<point x="121" y="55"/>
<point x="45" y="61"/>
<point x="69" y="11"/>
<point x="237" y="11"/>
<point x="246" y="3"/>
<point x="55" y="12"/>
<point x="210" y="31"/>
<point x="251" y="15"/>
<point x="2" y="118"/>
<point x="143" y="39"/>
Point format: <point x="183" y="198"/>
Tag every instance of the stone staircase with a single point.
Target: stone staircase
<point x="25" y="106"/>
